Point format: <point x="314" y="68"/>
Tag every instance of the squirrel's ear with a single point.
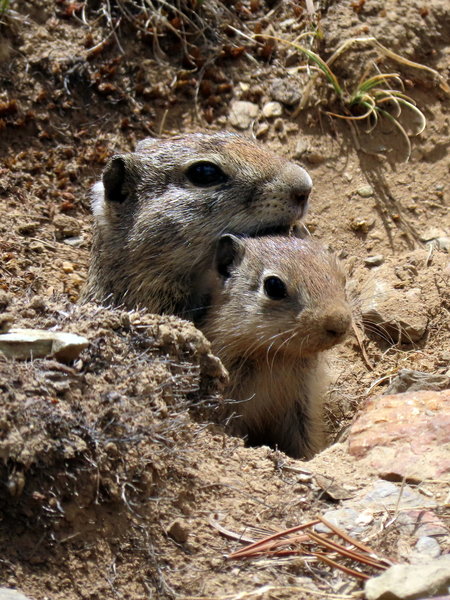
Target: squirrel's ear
<point x="119" y="178"/>
<point x="229" y="253"/>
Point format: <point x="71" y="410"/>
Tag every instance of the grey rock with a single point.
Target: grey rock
<point x="286" y="91"/>
<point x="272" y="109"/>
<point x="10" y="594"/>
<point x="408" y="380"/>
<point x="242" y="114"/>
<point x="357" y="514"/>
<point x="407" y="582"/>
<point x="443" y="243"/>
<point x="25" y="344"/>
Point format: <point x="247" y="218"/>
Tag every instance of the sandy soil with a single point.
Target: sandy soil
<point x="113" y="472"/>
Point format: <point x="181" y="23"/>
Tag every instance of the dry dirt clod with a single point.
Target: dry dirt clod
<point x="178" y="531"/>
<point x="66" y="227"/>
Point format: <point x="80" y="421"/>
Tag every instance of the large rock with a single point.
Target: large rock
<point x="405" y="435"/>
<point x="408" y="582"/>
<point x="400" y="315"/>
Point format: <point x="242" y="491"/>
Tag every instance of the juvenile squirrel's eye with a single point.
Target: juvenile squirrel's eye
<point x="205" y="174"/>
<point x="275" y="288"/>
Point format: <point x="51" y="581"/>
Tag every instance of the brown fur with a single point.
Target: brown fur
<point x="273" y="348"/>
<point x="154" y="231"/>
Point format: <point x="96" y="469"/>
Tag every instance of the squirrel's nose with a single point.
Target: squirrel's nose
<point x="301" y="197"/>
<point x="337" y="323"/>
<point x="299" y="182"/>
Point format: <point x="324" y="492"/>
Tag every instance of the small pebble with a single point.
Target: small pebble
<point x="67" y="267"/>
<point x="315" y="158"/>
<point x="361" y="224"/>
<point x="374" y="261"/>
<point x="242" y="114"/>
<point x="261" y="130"/>
<point x="74" y="241"/>
<point x="272" y="109"/>
<point x="300" y="148"/>
<point x="365" y="191"/>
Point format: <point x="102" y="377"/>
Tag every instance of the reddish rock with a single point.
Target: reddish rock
<point x="405" y="435"/>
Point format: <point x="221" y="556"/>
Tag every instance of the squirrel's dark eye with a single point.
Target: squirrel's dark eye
<point x="275" y="288"/>
<point x="205" y="174"/>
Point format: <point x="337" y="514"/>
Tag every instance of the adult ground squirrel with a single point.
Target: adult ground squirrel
<point x="276" y="304"/>
<point x="159" y="211"/>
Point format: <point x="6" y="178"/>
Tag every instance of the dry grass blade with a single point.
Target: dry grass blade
<point x="359" y="339"/>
